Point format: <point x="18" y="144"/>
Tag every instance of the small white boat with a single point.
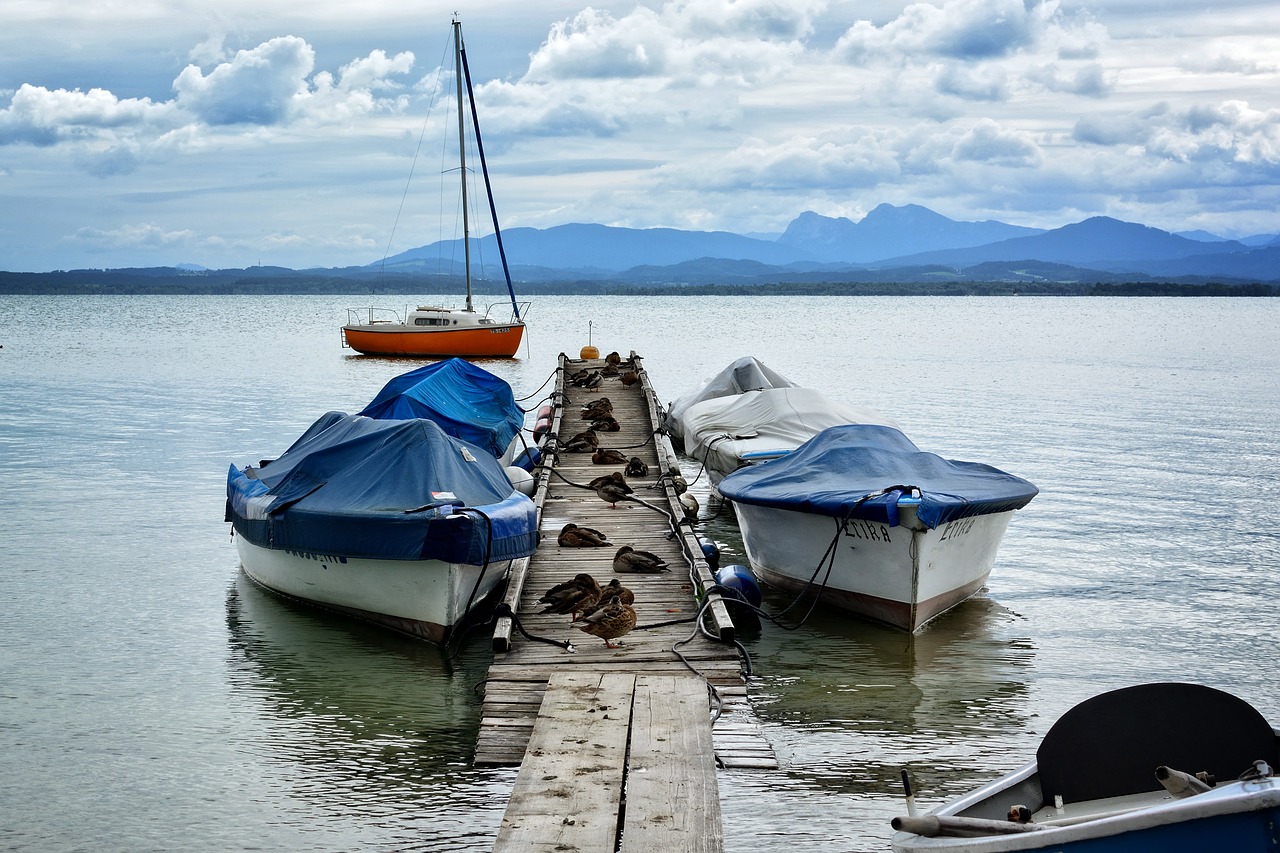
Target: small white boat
<point x="874" y="524"/>
<point x="393" y="521"/>
<point x="748" y="414"/>
<point x="1169" y="767"/>
<point x="435" y="330"/>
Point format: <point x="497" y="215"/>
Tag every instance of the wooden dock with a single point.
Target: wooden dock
<point x="618" y="748"/>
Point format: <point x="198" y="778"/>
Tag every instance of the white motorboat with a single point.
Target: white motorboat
<point x="863" y="517"/>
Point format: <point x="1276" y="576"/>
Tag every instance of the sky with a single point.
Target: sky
<point x="154" y="133"/>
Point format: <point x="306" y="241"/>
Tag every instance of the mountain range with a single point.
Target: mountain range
<point x="904" y="242"/>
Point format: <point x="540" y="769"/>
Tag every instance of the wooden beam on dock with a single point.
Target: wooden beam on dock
<point x="617" y="762"/>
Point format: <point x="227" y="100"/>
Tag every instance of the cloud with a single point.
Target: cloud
<point x="144" y="236"/>
<point x="257" y="86"/>
<point x="1231" y="132"/>
<point x="962" y="29"/>
<point x="987" y="142"/>
<point x="42" y="117"/>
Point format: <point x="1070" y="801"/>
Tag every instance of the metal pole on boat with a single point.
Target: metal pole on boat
<point x="462" y="155"/>
<point x="911" y="797"/>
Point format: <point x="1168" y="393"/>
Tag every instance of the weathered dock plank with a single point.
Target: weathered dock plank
<point x="568" y="792"/>
<point x="673" y="801"/>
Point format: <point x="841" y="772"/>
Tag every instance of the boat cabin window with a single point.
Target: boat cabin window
<point x="430" y="321"/>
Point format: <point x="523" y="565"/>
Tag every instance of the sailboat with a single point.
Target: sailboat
<point x="434" y="330"/>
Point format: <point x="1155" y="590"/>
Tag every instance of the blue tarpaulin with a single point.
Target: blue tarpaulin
<point x="861" y="470"/>
<point x="468" y="402"/>
<point x="387" y="489"/>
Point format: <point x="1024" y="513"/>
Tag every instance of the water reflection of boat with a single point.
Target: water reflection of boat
<point x="963" y="678"/>
<point x="350" y="683"/>
<point x="1166" y="766"/>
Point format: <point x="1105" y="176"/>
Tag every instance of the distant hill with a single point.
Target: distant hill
<point x="891" y="245"/>
<point x="591" y="248"/>
<point x="889" y="231"/>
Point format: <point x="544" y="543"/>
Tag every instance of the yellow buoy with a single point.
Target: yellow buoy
<point x="589" y="351"/>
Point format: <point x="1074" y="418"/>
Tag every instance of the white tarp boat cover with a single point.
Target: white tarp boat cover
<point x="745" y="374"/>
<point x="730" y="431"/>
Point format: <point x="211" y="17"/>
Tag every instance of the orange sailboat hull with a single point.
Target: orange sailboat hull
<point x="495" y="341"/>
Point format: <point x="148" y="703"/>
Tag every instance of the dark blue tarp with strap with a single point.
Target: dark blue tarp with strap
<point x="386" y="489"/>
<point x="468" y="402"/>
<point x="861" y="470"/>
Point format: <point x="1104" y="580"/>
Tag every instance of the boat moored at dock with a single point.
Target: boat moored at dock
<point x="874" y="524"/>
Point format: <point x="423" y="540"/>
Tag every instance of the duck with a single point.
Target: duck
<point x="592" y="413"/>
<point x="610" y="622"/>
<point x="573" y="536"/>
<point x="636" y="467"/>
<point x="611" y="493"/>
<point x="604" y="456"/>
<point x="591" y="381"/>
<point x="606" y="423"/>
<point x="613" y="358"/>
<point x="607" y="593"/>
<point x="584" y="442"/>
<point x="609" y="371"/>
<point x="630" y="561"/>
<point x="616" y="479"/>
<point x="572" y="596"/>
<point x="629" y="377"/>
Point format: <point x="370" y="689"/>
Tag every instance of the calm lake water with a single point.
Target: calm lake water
<point x="151" y="698"/>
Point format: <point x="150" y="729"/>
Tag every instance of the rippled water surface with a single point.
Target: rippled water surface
<point x="151" y="698"/>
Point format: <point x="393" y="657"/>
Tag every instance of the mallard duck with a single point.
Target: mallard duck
<point x="611" y="493"/>
<point x="630" y="377"/>
<point x="636" y="467"/>
<point x="615" y="479"/>
<point x="609" y="371"/>
<point x="604" y="456"/>
<point x="605" y="424"/>
<point x="609" y="591"/>
<point x="613" y="358"/>
<point x="591" y="381"/>
<point x="630" y="561"/>
<point x="584" y="442"/>
<point x="573" y="536"/>
<point x="610" y="622"/>
<point x="592" y="413"/>
<point x="572" y="596"/>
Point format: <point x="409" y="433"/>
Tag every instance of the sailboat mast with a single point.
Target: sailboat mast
<point x="462" y="155"/>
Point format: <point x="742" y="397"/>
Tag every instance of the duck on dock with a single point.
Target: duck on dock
<point x="573" y="536"/>
<point x="611" y="493"/>
<point x="629" y="377"/>
<point x="615" y="479"/>
<point x="636" y="467"/>
<point x="611" y="590"/>
<point x="630" y="561"/>
<point x="610" y="622"/>
<point x="584" y="442"/>
<point x="572" y="596"/>
<point x="604" y="456"/>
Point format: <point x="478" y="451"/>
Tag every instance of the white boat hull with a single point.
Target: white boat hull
<point x="423" y="598"/>
<point x="902" y="576"/>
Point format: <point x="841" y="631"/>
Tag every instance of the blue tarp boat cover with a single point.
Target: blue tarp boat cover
<point x="468" y="402"/>
<point x="386" y="489"/>
<point x="861" y="470"/>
